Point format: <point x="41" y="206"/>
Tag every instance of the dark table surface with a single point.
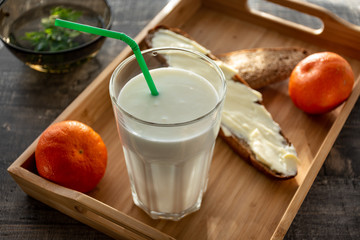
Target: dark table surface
<point x="30" y="101"/>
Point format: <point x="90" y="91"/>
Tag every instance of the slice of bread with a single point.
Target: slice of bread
<point x="260" y="67"/>
<point x="234" y="129"/>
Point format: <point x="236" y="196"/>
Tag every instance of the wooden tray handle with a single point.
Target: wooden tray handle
<point x="336" y="33"/>
<point x="331" y="22"/>
<point x="118" y="221"/>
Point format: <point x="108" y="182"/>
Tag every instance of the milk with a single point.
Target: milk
<point x="184" y="96"/>
<point x="168" y="161"/>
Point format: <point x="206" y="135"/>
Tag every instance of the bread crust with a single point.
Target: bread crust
<point x="278" y="61"/>
<point x="237" y="144"/>
<point x="242" y="148"/>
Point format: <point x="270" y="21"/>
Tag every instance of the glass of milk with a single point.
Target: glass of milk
<point x="168" y="140"/>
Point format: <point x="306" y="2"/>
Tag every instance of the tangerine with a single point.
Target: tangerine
<point x="71" y="154"/>
<point x="321" y="82"/>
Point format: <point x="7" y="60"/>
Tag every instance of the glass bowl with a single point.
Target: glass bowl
<point x="25" y="28"/>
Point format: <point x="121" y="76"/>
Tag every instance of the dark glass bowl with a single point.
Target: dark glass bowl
<point x="52" y="61"/>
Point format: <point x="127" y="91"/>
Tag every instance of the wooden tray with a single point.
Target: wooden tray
<point x="240" y="202"/>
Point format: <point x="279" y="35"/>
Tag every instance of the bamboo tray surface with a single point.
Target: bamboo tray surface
<point x="240" y="201"/>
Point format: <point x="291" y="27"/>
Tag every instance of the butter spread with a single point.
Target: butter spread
<point x="242" y="115"/>
<point x="167" y="38"/>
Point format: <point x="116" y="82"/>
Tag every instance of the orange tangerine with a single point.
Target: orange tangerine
<point x="71" y="154"/>
<point x="321" y="82"/>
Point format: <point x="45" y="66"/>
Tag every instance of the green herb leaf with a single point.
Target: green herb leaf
<point x="53" y="38"/>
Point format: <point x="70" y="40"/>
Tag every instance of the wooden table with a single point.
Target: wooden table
<point x="30" y="101"/>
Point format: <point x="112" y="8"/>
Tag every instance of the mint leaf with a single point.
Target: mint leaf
<point x="53" y="38"/>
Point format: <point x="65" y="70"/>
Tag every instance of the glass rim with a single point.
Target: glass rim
<point x="132" y="57"/>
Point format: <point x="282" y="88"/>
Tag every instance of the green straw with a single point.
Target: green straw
<point x="117" y="35"/>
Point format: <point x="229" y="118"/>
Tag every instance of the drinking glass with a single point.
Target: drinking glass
<point x="168" y="164"/>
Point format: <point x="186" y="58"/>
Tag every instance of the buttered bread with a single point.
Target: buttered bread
<point x="246" y="125"/>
